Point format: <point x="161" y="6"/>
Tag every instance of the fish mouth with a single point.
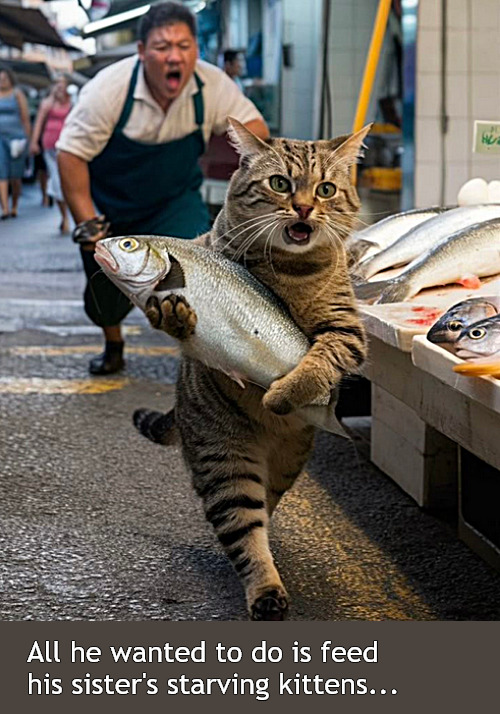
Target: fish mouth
<point x="298" y="233"/>
<point x="104" y="258"/>
<point x="464" y="353"/>
<point x="442" y="336"/>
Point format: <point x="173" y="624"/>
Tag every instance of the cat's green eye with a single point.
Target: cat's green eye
<point x="280" y="184"/>
<point x="326" y="190"/>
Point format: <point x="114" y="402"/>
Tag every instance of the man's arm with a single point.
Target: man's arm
<point x="259" y="128"/>
<point x="75" y="181"/>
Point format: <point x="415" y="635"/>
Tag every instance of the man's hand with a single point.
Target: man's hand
<point x="87" y="233"/>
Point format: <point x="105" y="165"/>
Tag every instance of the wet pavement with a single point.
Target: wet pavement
<point x="98" y="523"/>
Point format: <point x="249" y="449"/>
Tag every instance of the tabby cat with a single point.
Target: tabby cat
<point x="288" y="208"/>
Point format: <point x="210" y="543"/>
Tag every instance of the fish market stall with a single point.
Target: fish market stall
<point x="434" y="431"/>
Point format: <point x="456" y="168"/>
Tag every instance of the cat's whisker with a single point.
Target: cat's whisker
<point x="336" y="243"/>
<point x="271" y="238"/>
<point x="341" y="229"/>
<point x="248" y="243"/>
<point x="247" y="238"/>
<point x="244" y="223"/>
<point x="257" y="219"/>
<point x="268" y="240"/>
<point x="241" y="249"/>
<point x="272" y="225"/>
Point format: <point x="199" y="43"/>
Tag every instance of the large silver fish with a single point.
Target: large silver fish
<point x="371" y="240"/>
<point x="482" y="339"/>
<point x="446" y="331"/>
<point x="463" y="258"/>
<point x="426" y="236"/>
<point x="242" y="330"/>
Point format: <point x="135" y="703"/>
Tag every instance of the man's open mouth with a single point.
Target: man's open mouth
<point x="174" y="79"/>
<point x="298" y="233"/>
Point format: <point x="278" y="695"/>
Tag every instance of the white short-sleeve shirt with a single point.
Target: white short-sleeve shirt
<point x="92" y="120"/>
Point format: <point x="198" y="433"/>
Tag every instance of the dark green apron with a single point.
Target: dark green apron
<point x="144" y="189"/>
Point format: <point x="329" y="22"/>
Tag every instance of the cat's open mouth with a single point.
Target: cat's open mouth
<point x="298" y="233"/>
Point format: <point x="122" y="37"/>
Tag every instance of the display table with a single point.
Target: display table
<point x="422" y="411"/>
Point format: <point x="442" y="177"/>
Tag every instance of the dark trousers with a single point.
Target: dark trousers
<point x="104" y="303"/>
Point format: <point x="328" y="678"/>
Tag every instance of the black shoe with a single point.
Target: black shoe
<point x="110" y="361"/>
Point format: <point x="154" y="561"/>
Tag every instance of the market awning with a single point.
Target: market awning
<point x="34" y="74"/>
<point x="19" y="25"/>
<point x="91" y="65"/>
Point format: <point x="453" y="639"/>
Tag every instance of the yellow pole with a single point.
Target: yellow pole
<point x="372" y="59"/>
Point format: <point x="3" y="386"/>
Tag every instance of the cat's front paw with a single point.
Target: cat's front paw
<point x="278" y="398"/>
<point x="295" y="390"/>
<point x="173" y="315"/>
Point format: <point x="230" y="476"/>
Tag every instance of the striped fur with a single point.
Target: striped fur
<point x="244" y="447"/>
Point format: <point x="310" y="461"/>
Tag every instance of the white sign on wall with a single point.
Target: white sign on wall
<point x="486" y="137"/>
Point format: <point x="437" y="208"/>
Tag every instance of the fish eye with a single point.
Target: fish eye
<point x="477" y="333"/>
<point x="280" y="184"/>
<point x="128" y="244"/>
<point x="326" y="190"/>
<point x="454" y="326"/>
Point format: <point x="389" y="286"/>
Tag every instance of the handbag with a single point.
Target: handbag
<point x="17" y="147"/>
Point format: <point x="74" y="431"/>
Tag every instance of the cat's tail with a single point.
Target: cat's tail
<point x="156" y="426"/>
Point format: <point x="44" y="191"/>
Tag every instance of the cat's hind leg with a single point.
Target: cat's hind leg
<point x="234" y="498"/>
<point x="288" y="454"/>
<point x="228" y="462"/>
<point x="156" y="426"/>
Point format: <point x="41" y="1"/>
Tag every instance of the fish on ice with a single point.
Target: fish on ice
<point x="463" y="258"/>
<point x="365" y="243"/>
<point x="426" y="236"/>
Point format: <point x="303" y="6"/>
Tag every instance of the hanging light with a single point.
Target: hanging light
<point x="115" y="19"/>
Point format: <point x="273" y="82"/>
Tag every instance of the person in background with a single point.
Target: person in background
<point x="14" y="137"/>
<point x="48" y="125"/>
<point x="234" y="66"/>
<point x="130" y="149"/>
<point x="41" y="175"/>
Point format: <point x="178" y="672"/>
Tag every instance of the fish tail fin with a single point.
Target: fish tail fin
<point x="369" y="292"/>
<point x="324" y="417"/>
<point x="357" y="250"/>
<point x="156" y="426"/>
<point x="397" y="290"/>
<point x="368" y="267"/>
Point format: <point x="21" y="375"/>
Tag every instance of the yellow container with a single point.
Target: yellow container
<point x="381" y="178"/>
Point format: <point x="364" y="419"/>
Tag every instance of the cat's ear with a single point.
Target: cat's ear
<point x="351" y="149"/>
<point x="244" y="141"/>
